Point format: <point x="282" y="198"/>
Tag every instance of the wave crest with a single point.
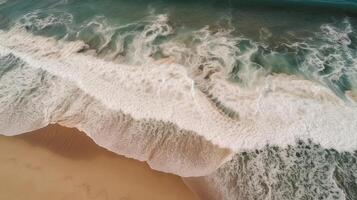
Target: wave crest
<point x="155" y="112"/>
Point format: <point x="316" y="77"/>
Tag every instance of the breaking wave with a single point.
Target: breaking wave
<point x="304" y="170"/>
<point x="200" y="103"/>
<point x="278" y="110"/>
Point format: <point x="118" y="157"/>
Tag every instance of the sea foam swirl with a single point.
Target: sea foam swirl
<point x="155" y="112"/>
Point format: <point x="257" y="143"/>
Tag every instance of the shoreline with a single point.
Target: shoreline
<point x="63" y="163"/>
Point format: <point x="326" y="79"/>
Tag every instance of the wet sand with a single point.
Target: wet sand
<point x="352" y="95"/>
<point x="60" y="163"/>
<point x="203" y="188"/>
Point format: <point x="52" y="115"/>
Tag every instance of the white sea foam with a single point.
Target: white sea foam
<point x="98" y="26"/>
<point x="304" y="170"/>
<point x="33" y="20"/>
<point x="155" y="112"/>
<point x="328" y="57"/>
<point x="164" y="146"/>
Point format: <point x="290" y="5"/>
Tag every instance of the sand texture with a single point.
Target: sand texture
<point x="62" y="163"/>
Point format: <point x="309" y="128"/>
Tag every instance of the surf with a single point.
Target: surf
<point x="162" y="96"/>
<point x="248" y="107"/>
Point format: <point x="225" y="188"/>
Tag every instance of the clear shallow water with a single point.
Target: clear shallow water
<point x="239" y="42"/>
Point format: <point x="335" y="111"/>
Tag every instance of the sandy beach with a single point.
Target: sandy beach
<point x="62" y="163"/>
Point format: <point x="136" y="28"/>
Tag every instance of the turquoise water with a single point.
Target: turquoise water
<point x="299" y="37"/>
<point x="240" y="42"/>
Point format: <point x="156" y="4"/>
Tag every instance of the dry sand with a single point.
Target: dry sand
<point x="57" y="163"/>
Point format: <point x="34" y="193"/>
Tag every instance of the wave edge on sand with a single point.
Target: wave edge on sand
<point x="155" y="113"/>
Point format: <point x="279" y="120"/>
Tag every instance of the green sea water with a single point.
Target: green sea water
<point x="296" y="37"/>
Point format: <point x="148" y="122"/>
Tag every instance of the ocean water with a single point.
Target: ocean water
<point x="258" y="98"/>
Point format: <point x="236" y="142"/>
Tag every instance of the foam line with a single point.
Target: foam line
<point x="154" y="112"/>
